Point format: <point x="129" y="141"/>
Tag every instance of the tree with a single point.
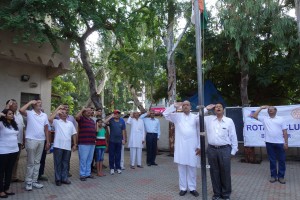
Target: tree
<point x="62" y="91"/>
<point x="249" y="36"/>
<point x="71" y="20"/>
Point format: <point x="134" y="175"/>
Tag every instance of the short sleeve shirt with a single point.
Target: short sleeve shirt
<point x="35" y="125"/>
<point x="116" y="128"/>
<point x="273" y="128"/>
<point x="64" y="130"/>
<point x="8" y="140"/>
<point x="87" y="131"/>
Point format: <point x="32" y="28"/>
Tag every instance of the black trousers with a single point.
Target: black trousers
<point x="220" y="170"/>
<point x="43" y="162"/>
<point x="61" y="159"/>
<point x="151" y="145"/>
<point x="6" y="167"/>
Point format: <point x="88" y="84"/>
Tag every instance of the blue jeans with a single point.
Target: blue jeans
<point x="276" y="152"/>
<point x="61" y="163"/>
<point x="86" y="153"/>
<point x="114" y="155"/>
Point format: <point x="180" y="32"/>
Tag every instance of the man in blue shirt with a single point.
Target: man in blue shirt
<point x="152" y="128"/>
<point x="116" y="139"/>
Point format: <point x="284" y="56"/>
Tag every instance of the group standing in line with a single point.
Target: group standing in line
<point x="93" y="135"/>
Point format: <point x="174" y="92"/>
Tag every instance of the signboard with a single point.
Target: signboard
<point x="254" y="135"/>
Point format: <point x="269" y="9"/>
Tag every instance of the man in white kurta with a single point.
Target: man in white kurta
<point x="136" y="139"/>
<point x="187" y="144"/>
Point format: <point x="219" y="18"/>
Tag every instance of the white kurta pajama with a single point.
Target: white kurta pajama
<point x="187" y="140"/>
<point x="137" y="136"/>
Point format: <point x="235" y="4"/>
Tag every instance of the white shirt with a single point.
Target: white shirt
<point x="221" y="132"/>
<point x="20" y="122"/>
<point x="8" y="140"/>
<point x="137" y="133"/>
<point x="187" y="136"/>
<point x="273" y="128"/>
<point x="64" y="130"/>
<point x="35" y="125"/>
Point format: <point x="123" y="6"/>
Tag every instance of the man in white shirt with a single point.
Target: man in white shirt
<point x="136" y="139"/>
<point x="36" y="134"/>
<point x="13" y="105"/>
<point x="64" y="133"/>
<point x="222" y="144"/>
<point x="276" y="141"/>
<point x="187" y="144"/>
<point x="152" y="128"/>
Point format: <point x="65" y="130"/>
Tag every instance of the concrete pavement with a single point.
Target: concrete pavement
<point x="249" y="182"/>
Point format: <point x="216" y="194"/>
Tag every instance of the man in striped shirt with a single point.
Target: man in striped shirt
<point x="86" y="141"/>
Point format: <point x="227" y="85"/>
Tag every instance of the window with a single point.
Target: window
<point x="26" y="97"/>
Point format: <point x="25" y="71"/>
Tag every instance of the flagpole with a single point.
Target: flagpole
<point x="200" y="98"/>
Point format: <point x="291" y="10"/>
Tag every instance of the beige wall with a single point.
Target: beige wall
<point x="11" y="85"/>
<point x="163" y="142"/>
<point x="36" y="60"/>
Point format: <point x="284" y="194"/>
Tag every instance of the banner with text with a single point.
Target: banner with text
<point x="254" y="135"/>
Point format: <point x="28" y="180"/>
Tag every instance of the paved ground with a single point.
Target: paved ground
<point x="249" y="182"/>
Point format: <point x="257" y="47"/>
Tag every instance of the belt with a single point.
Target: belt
<point x="151" y="133"/>
<point x="219" y="147"/>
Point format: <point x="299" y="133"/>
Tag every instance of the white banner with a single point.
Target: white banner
<point x="254" y="135"/>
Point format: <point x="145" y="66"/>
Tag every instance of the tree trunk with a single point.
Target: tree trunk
<point x="100" y="88"/>
<point x="244" y="86"/>
<point x="249" y="152"/>
<point x="136" y="100"/>
<point x="169" y="42"/>
<point x="88" y="69"/>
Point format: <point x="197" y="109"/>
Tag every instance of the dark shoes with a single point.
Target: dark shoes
<point x="90" y="176"/>
<point x="140" y="166"/>
<point x="42" y="178"/>
<point x="67" y="182"/>
<point x="132" y="167"/>
<point x="273" y="180"/>
<point x="219" y="198"/>
<point x="149" y="164"/>
<point x="9" y="193"/>
<point x="194" y="193"/>
<point x="281" y="180"/>
<point x="82" y="178"/>
<point x="58" y="183"/>
<point x="182" y="192"/>
<point x="4" y="196"/>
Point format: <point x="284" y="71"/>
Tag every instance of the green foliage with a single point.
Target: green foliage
<point x="61" y="93"/>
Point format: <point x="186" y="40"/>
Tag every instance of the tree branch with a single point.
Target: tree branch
<point x="180" y="36"/>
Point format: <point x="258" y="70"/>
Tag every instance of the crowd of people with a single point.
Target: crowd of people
<point x="92" y="135"/>
<point x="89" y="132"/>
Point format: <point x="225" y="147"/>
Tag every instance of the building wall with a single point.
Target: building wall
<point x="36" y="60"/>
<point x="11" y="85"/>
<point x="163" y="142"/>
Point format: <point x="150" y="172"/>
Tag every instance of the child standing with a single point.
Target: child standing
<point x="101" y="144"/>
